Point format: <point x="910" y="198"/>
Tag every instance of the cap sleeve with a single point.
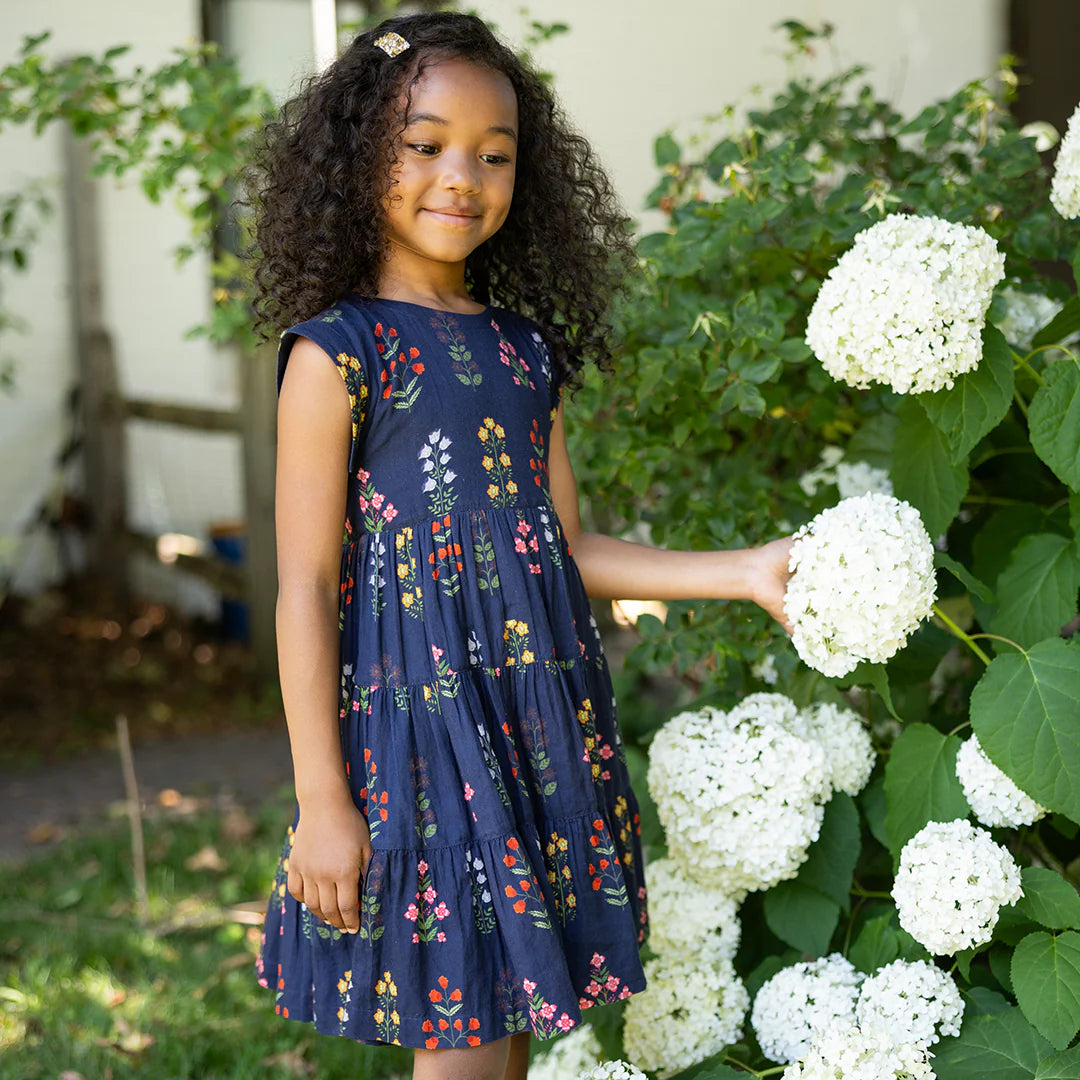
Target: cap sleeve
<point x="330" y="332"/>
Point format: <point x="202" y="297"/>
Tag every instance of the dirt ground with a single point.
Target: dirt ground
<point x="199" y="723"/>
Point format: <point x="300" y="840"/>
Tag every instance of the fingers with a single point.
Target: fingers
<point x="348" y="902"/>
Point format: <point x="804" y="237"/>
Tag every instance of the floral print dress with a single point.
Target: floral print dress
<point x="505" y="891"/>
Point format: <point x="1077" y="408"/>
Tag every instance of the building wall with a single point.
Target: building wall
<point x="628" y="70"/>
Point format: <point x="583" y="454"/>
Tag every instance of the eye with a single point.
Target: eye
<point x="495" y="159"/>
<point x="424" y="148"/>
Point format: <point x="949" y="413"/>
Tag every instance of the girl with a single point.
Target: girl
<point x="464" y="866"/>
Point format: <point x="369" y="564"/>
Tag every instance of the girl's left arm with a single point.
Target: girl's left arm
<point x="620" y="569"/>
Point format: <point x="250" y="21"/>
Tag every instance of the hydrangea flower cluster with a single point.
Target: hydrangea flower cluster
<point x="612" y="1070"/>
<point x="687" y="918"/>
<point x="1065" y="187"/>
<point x="950" y="885"/>
<point x="1026" y="313"/>
<point x="911" y="1002"/>
<point x="572" y="1054"/>
<point x="801" y="1002"/>
<point x="993" y="797"/>
<point x="856" y="1054"/>
<point x="846" y="741"/>
<point x="905" y="305"/>
<point x="740" y="797"/>
<point x="850" y="477"/>
<point x="863" y="581"/>
<point x="689" y="1012"/>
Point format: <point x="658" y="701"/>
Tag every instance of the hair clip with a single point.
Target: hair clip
<point x="393" y="44"/>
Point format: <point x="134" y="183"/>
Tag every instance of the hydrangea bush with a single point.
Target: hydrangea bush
<point x="834" y="801"/>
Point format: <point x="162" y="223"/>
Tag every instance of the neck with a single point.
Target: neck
<point x="421" y="282"/>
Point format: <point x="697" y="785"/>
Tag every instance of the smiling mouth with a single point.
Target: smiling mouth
<point x="453" y="217"/>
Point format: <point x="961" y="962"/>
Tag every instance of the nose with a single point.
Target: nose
<point x="460" y="173"/>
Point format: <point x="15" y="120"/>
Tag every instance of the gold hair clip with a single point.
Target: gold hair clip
<point x="393" y="44"/>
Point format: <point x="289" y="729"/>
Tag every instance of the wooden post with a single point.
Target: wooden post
<point x="101" y="405"/>
<point x="258" y="414"/>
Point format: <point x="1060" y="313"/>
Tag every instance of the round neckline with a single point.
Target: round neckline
<point x="485" y="311"/>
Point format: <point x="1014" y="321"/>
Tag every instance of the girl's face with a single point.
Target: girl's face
<point x="454" y="176"/>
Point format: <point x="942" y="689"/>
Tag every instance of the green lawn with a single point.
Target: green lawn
<point x="84" y="987"/>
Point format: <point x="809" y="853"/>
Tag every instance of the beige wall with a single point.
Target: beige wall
<point x="628" y="70"/>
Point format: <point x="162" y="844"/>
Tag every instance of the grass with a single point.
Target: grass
<point x="84" y="987"/>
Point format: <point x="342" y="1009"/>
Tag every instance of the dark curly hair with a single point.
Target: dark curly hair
<point x="324" y="169"/>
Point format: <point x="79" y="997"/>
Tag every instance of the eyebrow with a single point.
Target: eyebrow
<point x="431" y="118"/>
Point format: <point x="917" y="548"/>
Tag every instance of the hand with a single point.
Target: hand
<point x="330" y="853"/>
<point x="770" y="577"/>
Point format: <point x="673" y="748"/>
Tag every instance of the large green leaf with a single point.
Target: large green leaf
<point x="999" y="1046"/>
<point x="977" y="401"/>
<point x="1046" y="979"/>
<point x="1038" y="588"/>
<point x="923" y="472"/>
<point x="921" y="784"/>
<point x="877" y="944"/>
<point x="831" y="860"/>
<point x="1054" y="421"/>
<point x="1025" y="710"/>
<point x="801" y="916"/>
<point x="1064" y="323"/>
<point x="1049" y="899"/>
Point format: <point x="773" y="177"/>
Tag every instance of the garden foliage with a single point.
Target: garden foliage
<point x="732" y="410"/>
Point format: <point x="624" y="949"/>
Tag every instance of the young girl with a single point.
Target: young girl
<point x="464" y="865"/>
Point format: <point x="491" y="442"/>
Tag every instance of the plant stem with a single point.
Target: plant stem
<point x="1042" y="348"/>
<point x="1023" y="362"/>
<point x="869" y="894"/>
<point x="957" y="632"/>
<point x="960" y="727"/>
<point x="1021" y="403"/>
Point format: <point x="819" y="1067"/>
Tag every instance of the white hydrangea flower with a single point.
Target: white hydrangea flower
<point x="911" y="1002"/>
<point x="846" y="742"/>
<point x="1044" y="133"/>
<point x="610" y="1070"/>
<point x="905" y="304"/>
<point x="1026" y="313"/>
<point x="690" y="919"/>
<point x="950" y="885"/>
<point x="689" y="1012"/>
<point x="859" y="477"/>
<point x="740" y="796"/>
<point x="993" y="797"/>
<point x="766" y="670"/>
<point x="1065" y="187"/>
<point x="800" y="1003"/>
<point x="567" y="1056"/>
<point x="863" y="581"/>
<point x="825" y="473"/>
<point x="854" y="1054"/>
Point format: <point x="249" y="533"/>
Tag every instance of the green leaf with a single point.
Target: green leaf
<point x="1038" y="589"/>
<point x="1054" y="421"/>
<point x="873" y="442"/>
<point x="666" y="151"/>
<point x="867" y="674"/>
<point x="1046" y="978"/>
<point x="966" y="578"/>
<point x="1024" y="709"/>
<point x="982" y="1001"/>
<point x="873" y="805"/>
<point x="977" y="401"/>
<point x="830" y="861"/>
<point x="1049" y="899"/>
<point x="922" y="470"/>
<point x="1064" y="323"/>
<point x="801" y="916"/>
<point x="878" y="944"/>
<point x="921" y="784"/>
<point x="1064" y="1066"/>
<point x="999" y="1046"/>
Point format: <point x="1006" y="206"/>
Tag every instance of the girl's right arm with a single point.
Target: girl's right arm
<point x="331" y="845"/>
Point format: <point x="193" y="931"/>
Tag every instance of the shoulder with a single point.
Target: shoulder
<point x="342" y="332"/>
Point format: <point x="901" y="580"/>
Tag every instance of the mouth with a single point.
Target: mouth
<point x="452" y="216"/>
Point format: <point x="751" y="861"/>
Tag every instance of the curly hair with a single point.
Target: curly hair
<point x="324" y="170"/>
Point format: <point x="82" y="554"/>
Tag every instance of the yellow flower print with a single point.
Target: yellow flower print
<point x="493" y="490"/>
<point x="504" y="460"/>
<point x="488" y="462"/>
<point x="499" y="432"/>
<point x="497" y="463"/>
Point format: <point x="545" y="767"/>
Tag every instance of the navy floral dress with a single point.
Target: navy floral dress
<point x="505" y="889"/>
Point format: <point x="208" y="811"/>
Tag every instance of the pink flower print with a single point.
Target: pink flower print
<point x="596" y="960"/>
<point x="363" y="475"/>
<point x="534" y="569"/>
<point x="436" y="652"/>
<point x="534" y="544"/>
<point x="528" y="985"/>
<point x="612" y="983"/>
<point x="442" y="911"/>
<point x="564" y="1023"/>
<point x="625" y="992"/>
<point x="605" y="775"/>
<point x="547" y="1010"/>
<point x="377" y="500"/>
<point x="593" y="988"/>
<point x="412" y="912"/>
<point x="523" y="527"/>
<point x="469" y="793"/>
<point x="430" y="894"/>
<point x="422" y="867"/>
<point x="606" y="752"/>
<point x="416" y="939"/>
<point x="519" y="545"/>
<point x="440" y="936"/>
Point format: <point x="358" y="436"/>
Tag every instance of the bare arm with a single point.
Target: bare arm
<point x="331" y="845"/>
<point x="620" y="569"/>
